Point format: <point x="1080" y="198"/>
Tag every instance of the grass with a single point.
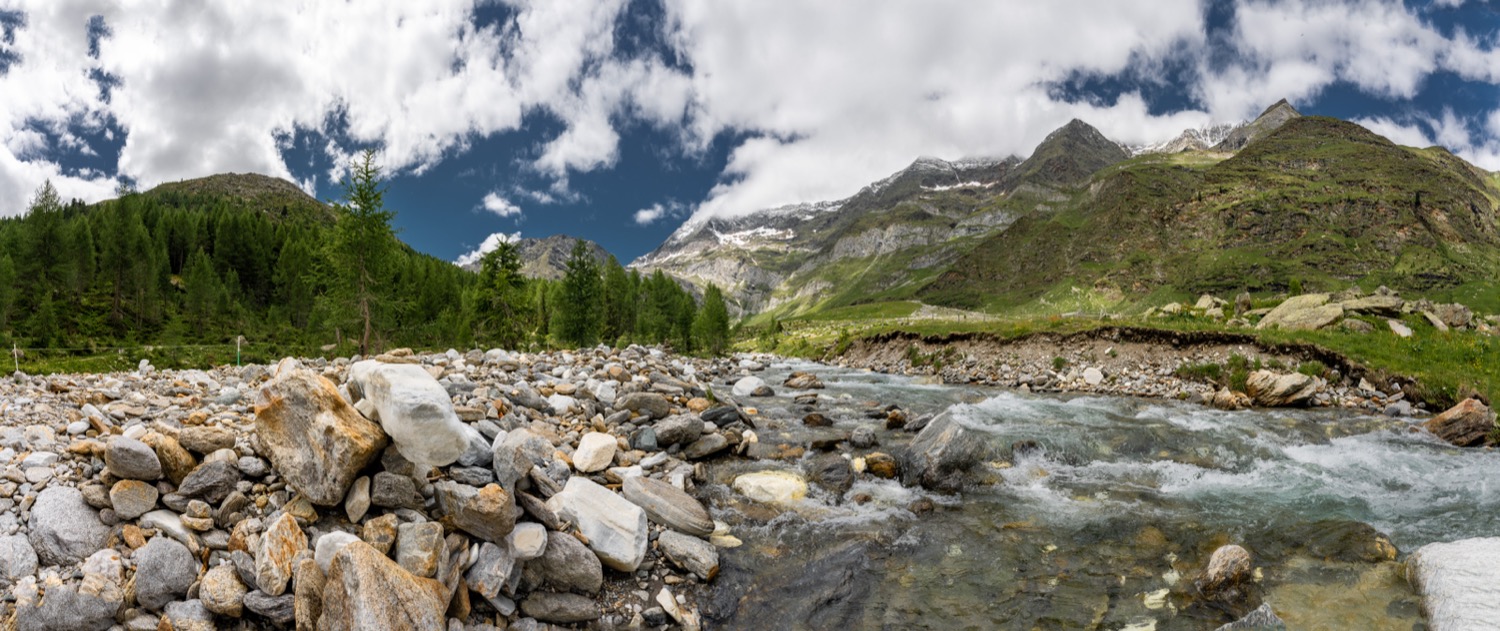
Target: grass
<point x="45" y="362"/>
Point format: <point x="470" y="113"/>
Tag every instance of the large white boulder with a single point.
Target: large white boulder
<point x="414" y="410"/>
<point x="745" y="387"/>
<point x="596" y="451"/>
<point x="1459" y="583"/>
<point x="615" y="528"/>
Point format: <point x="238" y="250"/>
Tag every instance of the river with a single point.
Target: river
<point x="1105" y="524"/>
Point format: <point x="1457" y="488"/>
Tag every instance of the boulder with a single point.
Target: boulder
<point x="211" y="482"/>
<point x="206" y="439"/>
<point x="488" y="513"/>
<point x="17" y="560"/>
<point x="1226" y="399"/>
<point x="747" y="386"/>
<point x="596" y="451"/>
<point x="418" y="548"/>
<point x="1227" y="567"/>
<point x="329" y="544"/>
<point x="1399" y="328"/>
<point x="669" y="506"/>
<point x="164" y="570"/>
<point x="648" y="404"/>
<point x="772" y="487"/>
<point x="1468" y="424"/>
<point x="515" y="454"/>
<point x="307" y="594"/>
<point x="187" y="615"/>
<point x="315" y="440"/>
<point x="1269" y="389"/>
<point x="63" y="528"/>
<point x="615" y="528"/>
<point x="802" y="381"/>
<point x="706" y="445"/>
<point x="131" y="459"/>
<point x="831" y="471"/>
<point x="1308" y="312"/>
<point x="1375" y="304"/>
<point x="1459" y="583"/>
<point x="413" y="408"/>
<point x="1454" y="315"/>
<point x="690" y="553"/>
<point x="567" y="565"/>
<point x="280" y="544"/>
<point x="391" y="490"/>
<point x="940" y="454"/>
<point x="176" y="462"/>
<point x="366" y="590"/>
<point x="490" y="575"/>
<point x="681" y="429"/>
<point x="560" y="608"/>
<point x="222" y="591"/>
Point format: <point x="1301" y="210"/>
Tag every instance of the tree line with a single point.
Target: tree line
<point x="177" y="268"/>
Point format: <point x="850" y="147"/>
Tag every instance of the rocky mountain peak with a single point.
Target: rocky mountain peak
<point x="1274" y="117"/>
<point x="1069" y="155"/>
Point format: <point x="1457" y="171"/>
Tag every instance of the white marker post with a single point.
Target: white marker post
<point x="15" y="354"/>
<point x="237" y="340"/>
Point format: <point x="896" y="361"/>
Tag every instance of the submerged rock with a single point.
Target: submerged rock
<point x="943" y="452"/>
<point x="1459" y="582"/>
<point x="1262" y="619"/>
<point x="314" y="439"/>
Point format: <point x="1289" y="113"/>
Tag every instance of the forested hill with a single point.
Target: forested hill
<point x="204" y="261"/>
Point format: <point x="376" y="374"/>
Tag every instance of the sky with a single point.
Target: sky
<point x="616" y="120"/>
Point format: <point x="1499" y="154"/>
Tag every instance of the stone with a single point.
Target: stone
<point x="1228" y="400"/>
<point x="329" y="544"/>
<point x="528" y="541"/>
<point x="724" y="416"/>
<point x="1093" y="376"/>
<point x="1453" y="315"/>
<point x="681" y="429"/>
<point x="1308" y="312"/>
<point x="307" y="592"/>
<point x="357" y="502"/>
<point x="490" y="576"/>
<point x="488" y="513"/>
<point x="88" y="606"/>
<point x="171" y="525"/>
<point x="279" y="609"/>
<point x="206" y="439"/>
<point x="418" y="548"/>
<point x="1269" y="389"/>
<point x="705" y="446"/>
<point x="514" y="456"/>
<point x="1262" y="619"/>
<point x="380" y="533"/>
<point x="222" y="592"/>
<point x="280" y="544"/>
<point x="1227" y="566"/>
<point x="211" y="481"/>
<point x="1459" y="582"/>
<point x="164" y="569"/>
<point x="187" y="615"/>
<point x="405" y="602"/>
<point x="943" y="452"/>
<point x="596" y="451"/>
<point x="1469" y="424"/>
<point x="882" y="465"/>
<point x="772" y="487"/>
<point x="390" y="490"/>
<point x="314" y="438"/>
<point x="802" y="381"/>
<point x="1399" y="328"/>
<point x="615" y="528"/>
<point x="131" y="459"/>
<point x="17" y="560"/>
<point x="831" y="471"/>
<point x="413" y="409"/>
<point x="863" y="438"/>
<point x="690" y="553"/>
<point x="132" y="498"/>
<point x="747" y="386"/>
<point x="567" y="565"/>
<point x="817" y="419"/>
<point x="176" y="462"/>
<point x="560" y="608"/>
<point x="63" y="528"/>
<point x="669" y="506"/>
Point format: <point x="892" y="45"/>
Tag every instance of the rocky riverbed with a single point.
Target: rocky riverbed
<point x="604" y="488"/>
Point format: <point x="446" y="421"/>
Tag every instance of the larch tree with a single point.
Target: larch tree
<point x="363" y="246"/>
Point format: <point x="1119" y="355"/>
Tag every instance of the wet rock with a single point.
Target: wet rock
<point x="131" y="459"/>
<point x="669" y="506"/>
<point x="747" y="386"/>
<point x="1468" y="424"/>
<point x="596" y="451"/>
<point x="488" y="513"/>
<point x="280" y="544"/>
<point x="682" y="429"/>
<point x="707" y="445"/>
<point x="1308" y="312"/>
<point x="615" y="528"/>
<point x="132" y="498"/>
<point x="1226" y="580"/>
<point x="1226" y="399"/>
<point x="772" y="487"/>
<point x="648" y="404"/>
<point x="763" y="391"/>
<point x="314" y="439"/>
<point x="560" y="608"/>
<point x="164" y="569"/>
<point x="826" y="590"/>
<point x="724" y="416"/>
<point x="222" y="592"/>
<point x="943" y="452"/>
<point x="802" y="381"/>
<point x="831" y="471"/>
<point x="690" y="553"/>
<point x="211" y="481"/>
<point x="405" y="602"/>
<point x="1269" y="389"/>
<point x="863" y="438"/>
<point x="817" y="419"/>
<point x="63" y="528"/>
<point x="882" y="465"/>
<point x="413" y="409"/>
<point x="1262" y="619"/>
<point x="418" y="547"/>
<point x="1459" y="582"/>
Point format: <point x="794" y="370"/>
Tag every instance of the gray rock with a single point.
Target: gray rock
<point x="63" y="528"/>
<point x="132" y="498"/>
<point x="164" y="569"/>
<point x="329" y="544"/>
<point x="418" y="548"/>
<point x="940" y="454"/>
<point x="357" y="502"/>
<point x="516" y="454"/>
<point x="1262" y="619"/>
<point x="89" y="606"/>
<point x="648" y="404"/>
<point x="413" y="409"/>
<point x="1459" y="582"/>
<point x="724" y="416"/>
<point x="488" y="513"/>
<point x="706" y="446"/>
<point x="313" y="437"/>
<point x="491" y="573"/>
<point x="131" y="459"/>
<point x="477" y="453"/>
<point x="681" y="429"/>
<point x="831" y="471"/>
<point x="222" y="591"/>
<point x="747" y="386"/>
<point x="690" y="553"/>
<point x="863" y="438"/>
<point x="406" y="602"/>
<point x="1269" y="389"/>
<point x="560" y="608"/>
<point x="389" y="490"/>
<point x="473" y="476"/>
<point x="1308" y="312"/>
<point x="669" y="506"/>
<point x="614" y="527"/>
<point x="567" y="565"/>
<point x="188" y="615"/>
<point x="278" y="609"/>
<point x="17" y="560"/>
<point x="170" y="524"/>
<point x="211" y="481"/>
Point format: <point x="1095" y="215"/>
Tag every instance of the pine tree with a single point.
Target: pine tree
<point x="502" y="308"/>
<point x="362" y="249"/>
<point x="580" y="315"/>
<point x="294" y="290"/>
<point x="203" y="289"/>
<point x="44" y="329"/>
<point x="9" y="290"/>
<point x="619" y="302"/>
<point x="711" y="327"/>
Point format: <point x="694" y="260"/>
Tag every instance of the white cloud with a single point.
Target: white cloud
<point x="1448" y="130"/>
<point x="656" y="212"/>
<point x="499" y="205"/>
<point x="490" y="243"/>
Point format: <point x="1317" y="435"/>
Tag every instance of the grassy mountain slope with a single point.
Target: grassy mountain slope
<point x="1318" y="201"/>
